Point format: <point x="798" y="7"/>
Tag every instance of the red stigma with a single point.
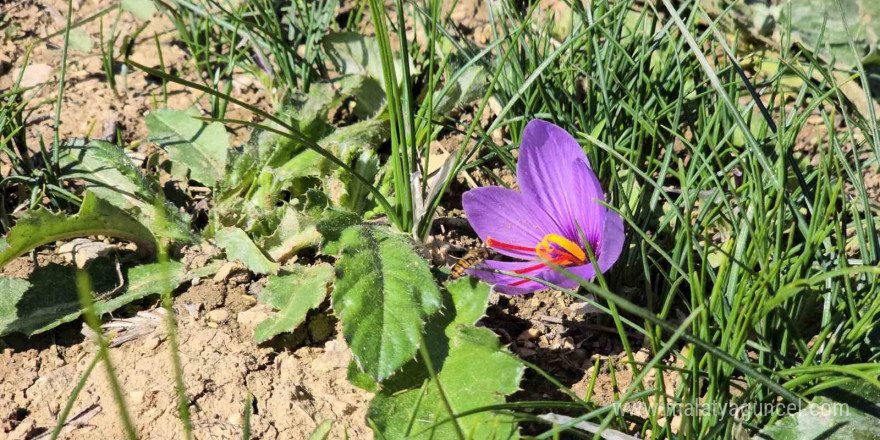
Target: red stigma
<point x="493" y="243"/>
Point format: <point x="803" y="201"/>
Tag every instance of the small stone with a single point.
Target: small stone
<point x="34" y="74"/>
<point x="82" y="251"/>
<point x="136" y="397"/>
<point x="234" y="419"/>
<point x="528" y="335"/>
<point x="151" y="343"/>
<point x="250" y="318"/>
<point x="218" y="315"/>
<point x="336" y="355"/>
<point x="227" y="270"/>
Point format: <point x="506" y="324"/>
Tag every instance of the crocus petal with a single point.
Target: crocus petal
<point x="554" y="171"/>
<point x="512" y="285"/>
<point x="508" y="216"/>
<point x="612" y="241"/>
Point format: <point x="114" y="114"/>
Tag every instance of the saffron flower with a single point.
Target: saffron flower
<point x="559" y="194"/>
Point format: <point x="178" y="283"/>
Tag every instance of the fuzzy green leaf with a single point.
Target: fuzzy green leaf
<point x="293" y="294"/>
<point x="384" y="293"/>
<point x="201" y="147"/>
<point x="239" y="246"/>
<point x="95" y="217"/>
<point x="295" y="232"/>
<point x="142" y="9"/>
<point x="49" y="297"/>
<point x="469" y="85"/>
<point x="108" y="173"/>
<point x="475" y="373"/>
<point x="825" y="419"/>
<point x="80" y="40"/>
<point x="331" y="226"/>
<point x="355" y="54"/>
<point x="813" y="19"/>
<point x="470" y="298"/>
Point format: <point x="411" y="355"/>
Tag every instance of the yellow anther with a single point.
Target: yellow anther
<point x="546" y="250"/>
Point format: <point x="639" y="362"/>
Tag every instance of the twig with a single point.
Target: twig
<point x="79" y="420"/>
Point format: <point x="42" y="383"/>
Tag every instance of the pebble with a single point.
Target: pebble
<point x="529" y="334"/>
<point x="136" y="397"/>
<point x="151" y="343"/>
<point x="218" y="315"/>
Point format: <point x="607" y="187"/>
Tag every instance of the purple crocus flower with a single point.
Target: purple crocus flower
<point x="559" y="193"/>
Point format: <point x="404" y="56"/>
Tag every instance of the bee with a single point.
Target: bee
<point x="472" y="258"/>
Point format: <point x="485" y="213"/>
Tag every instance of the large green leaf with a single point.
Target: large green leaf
<point x="826" y="419"/>
<point x="239" y="246"/>
<point x="470" y="84"/>
<point x="813" y="19"/>
<point x="384" y="292"/>
<point x="357" y="58"/>
<point x="293" y="294"/>
<point x="476" y="373"/>
<point x="108" y="173"/>
<point x="142" y="9"/>
<point x="49" y="297"/>
<point x="355" y="54"/>
<point x="455" y="347"/>
<point x="95" y="217"/>
<point x="201" y="147"/>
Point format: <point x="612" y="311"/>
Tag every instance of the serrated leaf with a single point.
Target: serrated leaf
<point x="813" y="19"/>
<point x="107" y="172"/>
<point x="470" y="298"/>
<point x="145" y="280"/>
<point x="358" y="378"/>
<point x="331" y="225"/>
<point x="240" y="247"/>
<point x="355" y="54"/>
<point x="470" y="84"/>
<point x="95" y="217"/>
<point x="293" y="294"/>
<point x="142" y="9"/>
<point x="203" y="148"/>
<point x="384" y="293"/>
<point x="295" y="232"/>
<point x="476" y="373"/>
<point x="825" y="419"/>
<point x="49" y="298"/>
